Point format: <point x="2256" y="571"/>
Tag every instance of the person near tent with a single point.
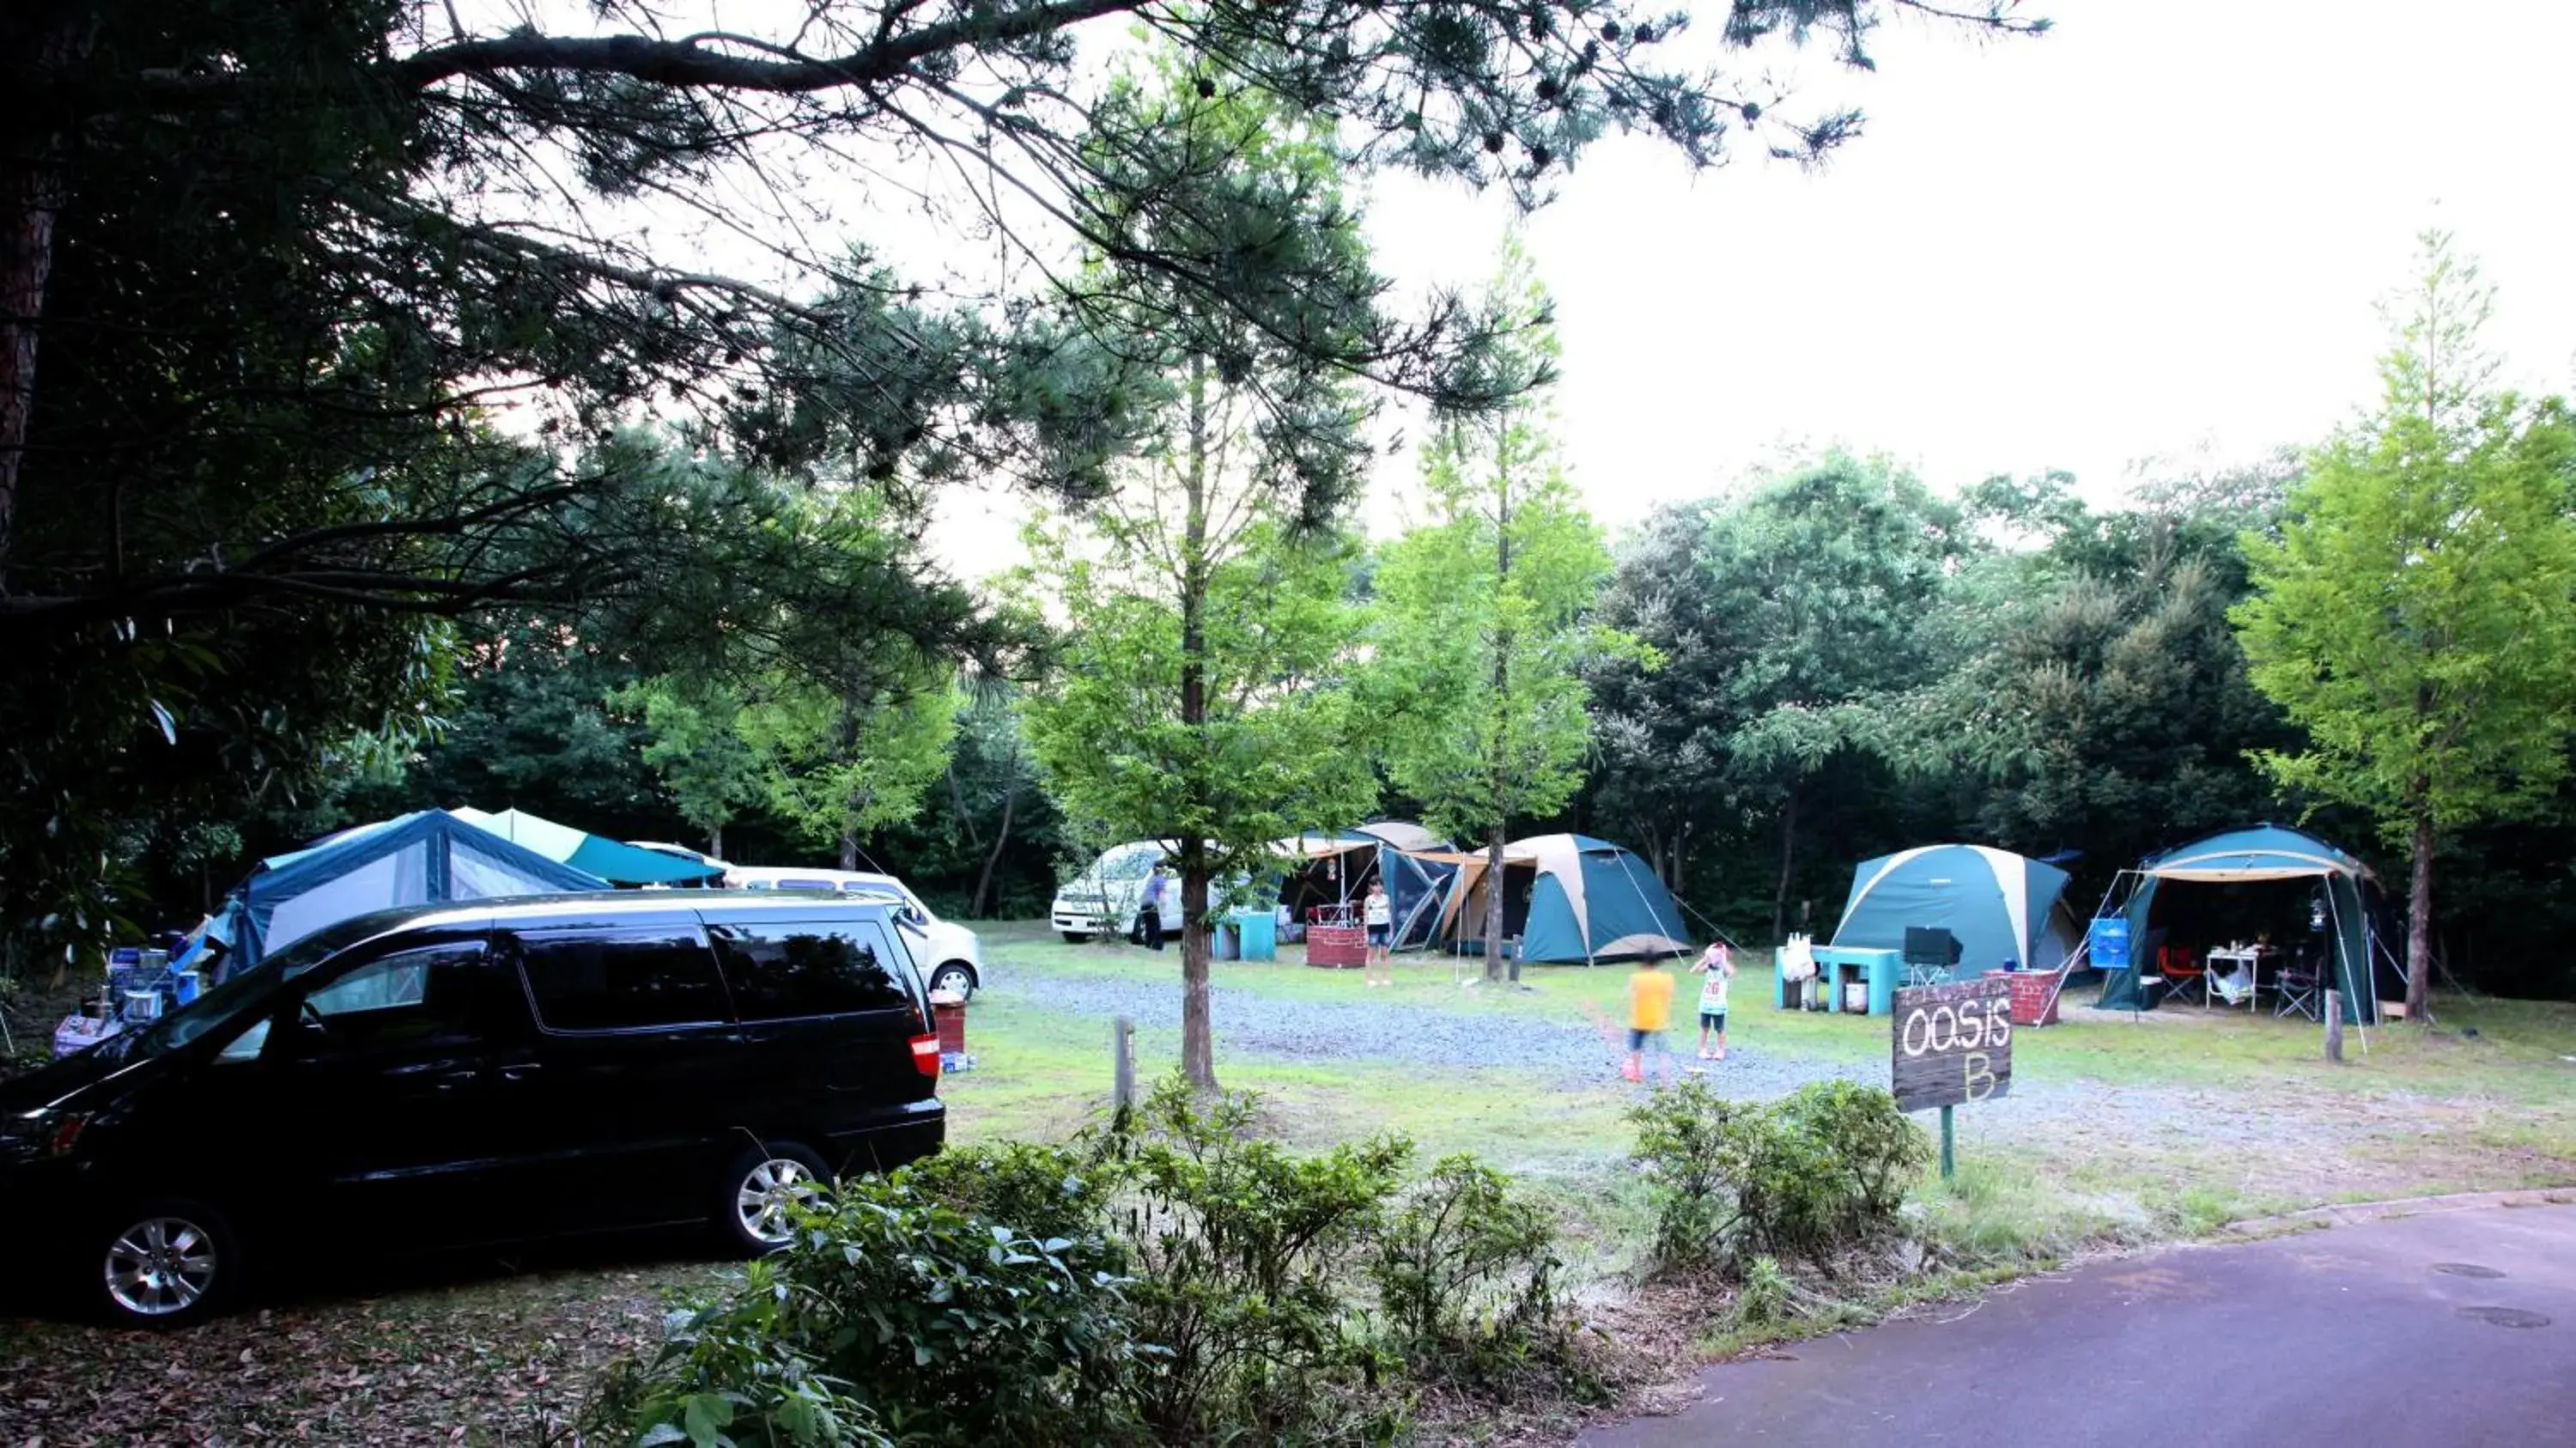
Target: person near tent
<point x="1650" y="1014"/>
<point x="1715" y="967"/>
<point x="1379" y="915"/>
<point x="1151" y="913"/>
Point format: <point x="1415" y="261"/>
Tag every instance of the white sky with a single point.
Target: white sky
<point x="2155" y="233"/>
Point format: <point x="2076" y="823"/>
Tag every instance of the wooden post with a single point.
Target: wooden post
<point x="2334" y="1025"/>
<point x="1122" y="1055"/>
<point x="1949" y="1145"/>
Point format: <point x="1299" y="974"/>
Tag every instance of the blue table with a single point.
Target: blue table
<point x="1841" y="965"/>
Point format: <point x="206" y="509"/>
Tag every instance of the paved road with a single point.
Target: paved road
<point x="2395" y="1334"/>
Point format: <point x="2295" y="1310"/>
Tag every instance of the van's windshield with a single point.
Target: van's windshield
<point x="246" y="993"/>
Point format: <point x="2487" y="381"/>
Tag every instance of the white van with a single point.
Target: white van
<point x="954" y="957"/>
<point x="1108" y="897"/>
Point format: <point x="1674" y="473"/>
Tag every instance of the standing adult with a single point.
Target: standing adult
<point x="1151" y="917"/>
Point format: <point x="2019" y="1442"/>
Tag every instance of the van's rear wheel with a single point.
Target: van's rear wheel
<point x="165" y="1264"/>
<point x="762" y="1189"/>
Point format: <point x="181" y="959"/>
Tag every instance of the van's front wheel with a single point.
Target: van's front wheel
<point x="165" y="1264"/>
<point x="762" y="1189"/>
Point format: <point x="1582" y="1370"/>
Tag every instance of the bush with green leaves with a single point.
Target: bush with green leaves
<point x="1823" y="1170"/>
<point x="1466" y="1274"/>
<point x="1169" y="1279"/>
<point x="1043" y="1191"/>
<point x="1242" y="1253"/>
<point x="948" y="1329"/>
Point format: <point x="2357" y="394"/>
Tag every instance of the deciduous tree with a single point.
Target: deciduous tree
<point x="2416" y="613"/>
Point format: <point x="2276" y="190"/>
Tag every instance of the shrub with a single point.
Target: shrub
<point x="1824" y="1170"/>
<point x="1042" y="1191"/>
<point x="1466" y="1273"/>
<point x="1878" y="1151"/>
<point x="1240" y="1250"/>
<point x="949" y="1330"/>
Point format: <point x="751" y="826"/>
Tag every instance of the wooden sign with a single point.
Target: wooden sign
<point x="1953" y="1044"/>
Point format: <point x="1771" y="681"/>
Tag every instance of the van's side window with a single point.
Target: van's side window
<point x="411" y="995"/>
<point x="782" y="970"/>
<point x="622" y="980"/>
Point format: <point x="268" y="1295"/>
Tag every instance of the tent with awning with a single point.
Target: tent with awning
<point x="1570" y="898"/>
<point x="611" y="860"/>
<point x="1333" y="869"/>
<point x="2265" y="854"/>
<point x="415" y="859"/>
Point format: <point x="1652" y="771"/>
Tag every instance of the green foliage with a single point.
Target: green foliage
<point x="1040" y="1191"/>
<point x="1812" y="1175"/>
<point x="1181" y="1281"/>
<point x="713" y="774"/>
<point x="841" y="767"/>
<point x="1466" y="1273"/>
<point x="1242" y="1258"/>
<point x="2417" y="612"/>
<point x="1482" y="609"/>
<point x="950" y="1330"/>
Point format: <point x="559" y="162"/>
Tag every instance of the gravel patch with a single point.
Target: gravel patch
<point x="1280" y="1028"/>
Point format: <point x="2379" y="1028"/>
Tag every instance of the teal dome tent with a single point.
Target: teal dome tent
<point x="1999" y="906"/>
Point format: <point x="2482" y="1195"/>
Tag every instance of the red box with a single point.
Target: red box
<point x="1338" y="947"/>
<point x="951" y="1020"/>
<point x="2034" y="998"/>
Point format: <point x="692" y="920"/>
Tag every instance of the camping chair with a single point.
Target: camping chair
<point x="2298" y="987"/>
<point x="2183" y="975"/>
<point x="1930" y="954"/>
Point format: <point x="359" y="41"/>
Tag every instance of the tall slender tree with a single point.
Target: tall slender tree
<point x="2417" y="611"/>
<point x="1482" y="623"/>
<point x="1196" y="697"/>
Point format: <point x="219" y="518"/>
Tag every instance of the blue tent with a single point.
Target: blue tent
<point x="415" y="859"/>
<point x="2262" y="854"/>
<point x="614" y="861"/>
<point x="1571" y="899"/>
<point x="1998" y="905"/>
<point x="1335" y="869"/>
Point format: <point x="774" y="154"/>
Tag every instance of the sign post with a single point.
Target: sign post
<point x="1953" y="1045"/>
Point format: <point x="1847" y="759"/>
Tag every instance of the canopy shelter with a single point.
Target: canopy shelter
<point x="1999" y="906"/>
<point x="415" y="859"/>
<point x="1570" y="898"/>
<point x="2266" y="879"/>
<point x="610" y="860"/>
<point x="1334" y="870"/>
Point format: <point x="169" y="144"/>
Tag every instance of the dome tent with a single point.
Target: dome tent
<point x="1570" y="898"/>
<point x="1998" y="905"/>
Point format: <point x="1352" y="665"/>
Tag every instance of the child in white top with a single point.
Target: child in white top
<point x="1715" y="967"/>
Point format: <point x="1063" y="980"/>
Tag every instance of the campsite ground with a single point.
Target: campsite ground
<point x="2117" y="1131"/>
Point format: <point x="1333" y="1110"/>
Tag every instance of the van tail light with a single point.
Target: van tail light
<point x="67" y="1133"/>
<point x="925" y="1056"/>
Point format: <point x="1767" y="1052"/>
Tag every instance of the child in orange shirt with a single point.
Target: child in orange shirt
<point x="1650" y="1013"/>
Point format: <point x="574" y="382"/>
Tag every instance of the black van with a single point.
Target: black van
<point x="451" y="1075"/>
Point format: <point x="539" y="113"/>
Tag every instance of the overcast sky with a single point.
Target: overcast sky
<point x="2156" y="232"/>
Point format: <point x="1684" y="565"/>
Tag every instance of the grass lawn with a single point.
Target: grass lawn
<point x="2117" y="1130"/>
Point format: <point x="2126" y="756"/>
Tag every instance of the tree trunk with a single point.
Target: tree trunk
<point x="715" y="841"/>
<point x="1198" y="1040"/>
<point x="983" y="902"/>
<point x="1501" y="712"/>
<point x="1788" y="860"/>
<point x="1198" y="1033"/>
<point x="849" y="849"/>
<point x="2419" y="922"/>
<point x="32" y="193"/>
